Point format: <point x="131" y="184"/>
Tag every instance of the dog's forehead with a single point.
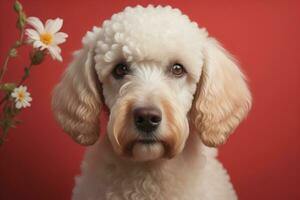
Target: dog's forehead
<point x="161" y="34"/>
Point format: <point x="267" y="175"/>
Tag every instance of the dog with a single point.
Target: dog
<point x="171" y="92"/>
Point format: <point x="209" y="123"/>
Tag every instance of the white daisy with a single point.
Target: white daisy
<point x="46" y="37"/>
<point x="21" y="96"/>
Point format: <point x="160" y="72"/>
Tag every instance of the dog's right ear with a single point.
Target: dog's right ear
<point x="76" y="101"/>
<point x="222" y="99"/>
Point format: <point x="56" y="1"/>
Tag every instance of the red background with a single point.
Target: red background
<point x="39" y="162"/>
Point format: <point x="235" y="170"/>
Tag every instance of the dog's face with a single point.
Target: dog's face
<point x="160" y="77"/>
<point x="148" y="102"/>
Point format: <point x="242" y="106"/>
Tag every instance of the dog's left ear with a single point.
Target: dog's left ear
<point x="222" y="98"/>
<point x="76" y="100"/>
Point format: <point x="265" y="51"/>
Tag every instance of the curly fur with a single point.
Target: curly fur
<point x="209" y="101"/>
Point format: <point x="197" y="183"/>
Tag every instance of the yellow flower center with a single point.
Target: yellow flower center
<point x="21" y="96"/>
<point x="46" y="38"/>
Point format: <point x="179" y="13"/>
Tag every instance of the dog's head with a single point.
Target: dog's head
<point x="161" y="77"/>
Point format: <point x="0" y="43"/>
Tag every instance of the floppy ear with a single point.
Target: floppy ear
<point x="76" y="100"/>
<point x="222" y="98"/>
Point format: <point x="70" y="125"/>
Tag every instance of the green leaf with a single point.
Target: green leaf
<point x="26" y="71"/>
<point x="14" y="123"/>
<point x="6" y="123"/>
<point x="8" y="111"/>
<point x="17" y="122"/>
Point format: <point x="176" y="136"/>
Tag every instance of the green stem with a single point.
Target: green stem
<point x="21" y="37"/>
<point x="4" y="68"/>
<point x="5" y="65"/>
<point x="4" y="135"/>
<point x="4" y="99"/>
<point x="5" y="127"/>
<point x="25" y="76"/>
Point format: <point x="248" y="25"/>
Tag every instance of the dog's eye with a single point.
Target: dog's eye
<point x="178" y="70"/>
<point x="120" y="71"/>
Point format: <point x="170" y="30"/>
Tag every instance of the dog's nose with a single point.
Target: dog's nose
<point x="147" y="119"/>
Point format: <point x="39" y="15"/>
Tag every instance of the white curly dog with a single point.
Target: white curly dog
<point x="171" y="91"/>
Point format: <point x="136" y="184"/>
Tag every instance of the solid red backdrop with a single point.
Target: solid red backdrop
<point x="39" y="161"/>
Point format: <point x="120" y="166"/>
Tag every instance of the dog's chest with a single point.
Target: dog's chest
<point x="119" y="183"/>
<point x="141" y="184"/>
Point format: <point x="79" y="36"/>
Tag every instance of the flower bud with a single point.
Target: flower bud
<point x="18" y="44"/>
<point x="18" y="6"/>
<point x="37" y="57"/>
<point x="13" y="52"/>
<point x="8" y="87"/>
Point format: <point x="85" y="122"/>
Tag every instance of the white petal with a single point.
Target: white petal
<point x="62" y="34"/>
<point x="14" y="94"/>
<point x="53" y="26"/>
<point x="24" y="87"/>
<point x="32" y="34"/>
<point x="39" y="44"/>
<point x="23" y="104"/>
<point x="29" y="40"/>
<point x="55" y="53"/>
<point x="18" y="105"/>
<point x="28" y="99"/>
<point x="26" y="104"/>
<point x="44" y="46"/>
<point x="15" y="91"/>
<point x="60" y="37"/>
<point x="58" y="48"/>
<point x="36" y="23"/>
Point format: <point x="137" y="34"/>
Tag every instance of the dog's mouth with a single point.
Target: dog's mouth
<point x="147" y="141"/>
<point x="146" y="149"/>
